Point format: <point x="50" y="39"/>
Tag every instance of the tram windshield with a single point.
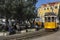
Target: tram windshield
<point x="53" y="19"/>
<point x="45" y="19"/>
<point x="50" y="19"/>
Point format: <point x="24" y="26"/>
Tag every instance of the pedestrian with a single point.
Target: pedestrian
<point x="11" y="30"/>
<point x="14" y="30"/>
<point x="26" y="27"/>
<point x="14" y="26"/>
<point x="18" y="26"/>
<point x="37" y="27"/>
<point x="1" y="27"/>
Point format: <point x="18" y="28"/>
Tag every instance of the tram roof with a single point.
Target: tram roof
<point x="50" y="14"/>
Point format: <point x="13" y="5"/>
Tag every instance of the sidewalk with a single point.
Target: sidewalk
<point x="4" y="33"/>
<point x="17" y="32"/>
<point x="23" y="35"/>
<point x="24" y="31"/>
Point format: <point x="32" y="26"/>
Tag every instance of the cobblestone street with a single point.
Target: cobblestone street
<point x="54" y="36"/>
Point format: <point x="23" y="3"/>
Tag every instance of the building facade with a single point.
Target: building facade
<point x="50" y="7"/>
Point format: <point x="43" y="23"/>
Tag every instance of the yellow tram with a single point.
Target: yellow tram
<point x="50" y="22"/>
<point x="38" y="21"/>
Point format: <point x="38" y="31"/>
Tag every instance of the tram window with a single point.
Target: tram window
<point x="53" y="19"/>
<point x="45" y="19"/>
<point x="49" y="19"/>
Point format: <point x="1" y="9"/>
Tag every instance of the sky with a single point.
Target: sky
<point x="40" y="2"/>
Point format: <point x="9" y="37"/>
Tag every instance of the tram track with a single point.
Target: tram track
<point x="40" y="35"/>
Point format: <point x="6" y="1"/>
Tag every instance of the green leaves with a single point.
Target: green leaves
<point x="20" y="9"/>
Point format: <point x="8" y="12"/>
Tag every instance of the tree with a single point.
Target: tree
<point x="29" y="8"/>
<point x="19" y="9"/>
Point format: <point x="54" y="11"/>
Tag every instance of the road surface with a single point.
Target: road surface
<point x="52" y="36"/>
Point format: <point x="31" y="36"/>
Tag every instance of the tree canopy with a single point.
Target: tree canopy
<point x="20" y="9"/>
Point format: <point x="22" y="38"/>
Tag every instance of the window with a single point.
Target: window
<point x="44" y="8"/>
<point x="49" y="19"/>
<point x="55" y="7"/>
<point x="47" y="8"/>
<point x="45" y="19"/>
<point x="52" y="19"/>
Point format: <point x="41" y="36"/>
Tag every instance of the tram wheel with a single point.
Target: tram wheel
<point x="56" y="29"/>
<point x="48" y="30"/>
